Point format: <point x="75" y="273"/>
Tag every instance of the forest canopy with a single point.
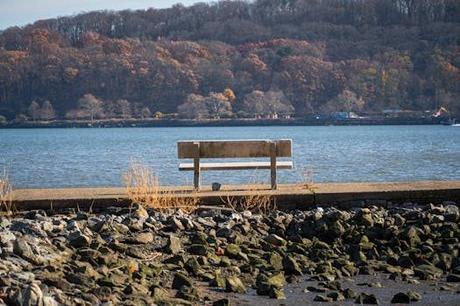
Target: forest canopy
<point x="296" y="56"/>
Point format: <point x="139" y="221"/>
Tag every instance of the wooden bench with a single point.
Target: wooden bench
<point x="198" y="150"/>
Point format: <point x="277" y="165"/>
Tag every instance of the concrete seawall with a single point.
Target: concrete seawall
<point x="287" y="196"/>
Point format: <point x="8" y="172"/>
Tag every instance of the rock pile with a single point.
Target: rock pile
<point x="134" y="257"/>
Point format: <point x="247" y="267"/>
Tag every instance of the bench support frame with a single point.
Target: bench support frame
<point x="273" y="164"/>
<point x="196" y="167"/>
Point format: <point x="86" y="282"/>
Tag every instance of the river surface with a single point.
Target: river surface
<point x="99" y="157"/>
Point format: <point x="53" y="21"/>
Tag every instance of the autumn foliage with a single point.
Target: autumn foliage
<point x="214" y="60"/>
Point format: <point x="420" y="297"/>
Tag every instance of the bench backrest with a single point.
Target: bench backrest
<point x="233" y="148"/>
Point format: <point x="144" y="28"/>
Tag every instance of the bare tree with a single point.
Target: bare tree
<point x="146" y="113"/>
<point x="276" y="102"/>
<point x="346" y="101"/>
<point x="124" y="108"/>
<point x="218" y="105"/>
<point x="90" y="106"/>
<point x="47" y="111"/>
<point x="193" y="108"/>
<point x="34" y="110"/>
<point x="267" y="103"/>
<point x="253" y="102"/>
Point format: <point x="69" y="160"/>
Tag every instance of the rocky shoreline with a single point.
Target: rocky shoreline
<point x="134" y="256"/>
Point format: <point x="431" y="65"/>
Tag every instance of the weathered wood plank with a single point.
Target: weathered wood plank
<point x="233" y="148"/>
<point x="236" y="166"/>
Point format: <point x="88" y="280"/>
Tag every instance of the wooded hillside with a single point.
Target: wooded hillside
<point x="236" y="58"/>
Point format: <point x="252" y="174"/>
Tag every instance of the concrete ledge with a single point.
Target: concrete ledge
<point x="287" y="196"/>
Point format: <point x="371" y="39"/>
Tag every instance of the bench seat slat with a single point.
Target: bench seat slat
<point x="236" y="165"/>
<point x="233" y="148"/>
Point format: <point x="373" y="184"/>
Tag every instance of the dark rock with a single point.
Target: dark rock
<point x="291" y="266"/>
<point x="365" y="217"/>
<point x="78" y="240"/>
<point x="188" y="293"/>
<point x="55" y="280"/>
<point x="315" y="289"/>
<point x="176" y="260"/>
<point x="114" y="280"/>
<point x="349" y="293"/>
<point x="95" y="224"/>
<point x="400" y="298"/>
<point x="198" y="249"/>
<point x="140" y="251"/>
<point x="82" y="215"/>
<point x="181" y="280"/>
<point x="334" y="285"/>
<point x="222" y="302"/>
<point x="79" y="279"/>
<point x="365" y="298"/>
<point x="193" y="266"/>
<point x="322" y="298"/>
<point x="453" y="278"/>
<point x="199" y="238"/>
<point x="336" y="296"/>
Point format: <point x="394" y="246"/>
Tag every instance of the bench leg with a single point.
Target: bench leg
<point x="196" y="173"/>
<point x="273" y="164"/>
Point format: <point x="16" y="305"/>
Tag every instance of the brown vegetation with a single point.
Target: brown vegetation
<point x="255" y="202"/>
<point x="143" y="188"/>
<point x="6" y="193"/>
<point x="321" y="56"/>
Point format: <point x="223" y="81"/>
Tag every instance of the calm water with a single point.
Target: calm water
<point x="98" y="157"/>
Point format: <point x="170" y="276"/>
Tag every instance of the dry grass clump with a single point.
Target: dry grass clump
<point x="6" y="193"/>
<point x="143" y="188"/>
<point x="254" y="202"/>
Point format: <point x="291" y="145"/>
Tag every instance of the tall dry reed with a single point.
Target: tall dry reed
<point x="144" y="188"/>
<point x="6" y="193"/>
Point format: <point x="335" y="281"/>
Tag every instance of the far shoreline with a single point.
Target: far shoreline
<point x="114" y="123"/>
